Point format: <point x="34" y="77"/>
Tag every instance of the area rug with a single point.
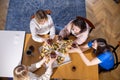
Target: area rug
<point x="20" y="11"/>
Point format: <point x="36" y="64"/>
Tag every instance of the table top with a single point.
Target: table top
<point x="76" y="69"/>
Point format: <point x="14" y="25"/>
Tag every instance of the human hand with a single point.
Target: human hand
<point x="60" y="38"/>
<point x="46" y="41"/>
<point x="52" y="60"/>
<point x="50" y="41"/>
<point x="45" y="58"/>
<point x="74" y="45"/>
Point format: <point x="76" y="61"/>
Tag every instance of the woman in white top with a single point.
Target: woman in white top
<point x="40" y="25"/>
<point x="79" y="28"/>
<point x="22" y="72"/>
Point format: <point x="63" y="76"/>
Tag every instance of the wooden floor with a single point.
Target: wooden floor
<point x="104" y="14"/>
<point x="3" y="12"/>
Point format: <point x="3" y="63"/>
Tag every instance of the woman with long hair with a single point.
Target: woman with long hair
<point x="77" y="27"/>
<point x="22" y="72"/>
<point x="103" y="55"/>
<point x="41" y="25"/>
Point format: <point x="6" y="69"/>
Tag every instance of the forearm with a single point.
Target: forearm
<point x="84" y="58"/>
<point x="35" y="66"/>
<point x="47" y="74"/>
<point x="37" y="38"/>
<point x="39" y="64"/>
<point x="52" y="32"/>
<point x="84" y="49"/>
<point x="33" y="29"/>
<point x="94" y="61"/>
<point x="49" y="70"/>
<point x="64" y="33"/>
<point x="80" y="40"/>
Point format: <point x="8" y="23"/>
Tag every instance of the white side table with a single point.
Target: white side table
<point x="11" y="49"/>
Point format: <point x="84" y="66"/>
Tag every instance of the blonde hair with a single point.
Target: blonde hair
<point x="21" y="73"/>
<point x="40" y="15"/>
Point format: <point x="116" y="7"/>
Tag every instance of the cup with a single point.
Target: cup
<point x="53" y="54"/>
<point x="50" y="41"/>
<point x="30" y="51"/>
<point x="74" y="45"/>
<point x="73" y="68"/>
<point x="32" y="48"/>
<point x="59" y="38"/>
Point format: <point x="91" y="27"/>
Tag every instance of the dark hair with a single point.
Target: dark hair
<point x="80" y="23"/>
<point x="40" y="14"/>
<point x="102" y="46"/>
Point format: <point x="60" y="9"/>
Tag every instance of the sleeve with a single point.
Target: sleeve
<point x="81" y="38"/>
<point x="32" y="68"/>
<point x="33" y="29"/>
<point x="52" y="28"/>
<point x="90" y="44"/>
<point x="35" y="66"/>
<point x="47" y="74"/>
<point x="101" y="57"/>
<point x="66" y="30"/>
<point x="104" y="56"/>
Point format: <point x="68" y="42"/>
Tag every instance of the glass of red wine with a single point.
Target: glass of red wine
<point x="50" y="41"/>
<point x="59" y="38"/>
<point x="73" y="68"/>
<point x="53" y="54"/>
<point x="30" y="51"/>
<point x="74" y="45"/>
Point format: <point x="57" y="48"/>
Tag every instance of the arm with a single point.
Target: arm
<point x="48" y="72"/>
<point x="52" y="29"/>
<point x="86" y="46"/>
<point x="66" y="30"/>
<point x="37" y="65"/>
<point x="33" y="29"/>
<point x="85" y="59"/>
<point x="94" y="61"/>
<point x="82" y="37"/>
<point x="80" y="40"/>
